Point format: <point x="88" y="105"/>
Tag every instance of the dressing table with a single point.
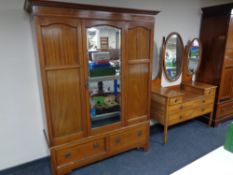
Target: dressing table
<point x="188" y="100"/>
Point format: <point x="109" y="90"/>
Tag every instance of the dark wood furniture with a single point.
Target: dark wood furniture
<point x="217" y="66"/>
<point x="176" y="104"/>
<point x="77" y="134"/>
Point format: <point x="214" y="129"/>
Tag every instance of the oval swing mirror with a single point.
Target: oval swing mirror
<point x="194" y="55"/>
<point x="172" y="56"/>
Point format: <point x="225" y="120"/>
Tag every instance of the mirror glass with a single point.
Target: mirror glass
<point x="104" y="79"/>
<point x="194" y="55"/>
<point x="173" y="56"/>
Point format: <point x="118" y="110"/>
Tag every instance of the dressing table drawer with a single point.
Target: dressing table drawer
<point x="179" y="117"/>
<point x="203" y="109"/>
<point x="175" y="100"/>
<point x="209" y="91"/>
<point x="180" y="107"/>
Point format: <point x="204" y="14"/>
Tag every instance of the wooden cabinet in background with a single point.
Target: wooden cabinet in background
<point x="95" y="65"/>
<point x="217" y="66"/>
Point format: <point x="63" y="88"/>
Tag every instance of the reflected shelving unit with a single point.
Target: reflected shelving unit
<point x="104" y="74"/>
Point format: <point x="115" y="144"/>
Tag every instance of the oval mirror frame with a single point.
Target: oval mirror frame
<point x="189" y="47"/>
<point x="179" y="68"/>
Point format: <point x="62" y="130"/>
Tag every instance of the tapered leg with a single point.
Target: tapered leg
<point x="216" y="123"/>
<point x="210" y="119"/>
<point x="146" y="147"/>
<point x="165" y="134"/>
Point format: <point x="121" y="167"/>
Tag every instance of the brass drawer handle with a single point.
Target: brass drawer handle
<point x="95" y="145"/>
<point x="139" y="134"/>
<point x="67" y="155"/>
<point x="118" y="140"/>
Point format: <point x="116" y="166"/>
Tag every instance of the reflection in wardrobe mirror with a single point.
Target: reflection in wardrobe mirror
<point x="194" y="55"/>
<point x="103" y="38"/>
<point x="104" y="65"/>
<point x="172" y="56"/>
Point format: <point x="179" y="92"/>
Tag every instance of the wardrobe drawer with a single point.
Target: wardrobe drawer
<point x="175" y="100"/>
<point x="129" y="138"/>
<point x="225" y="109"/>
<point x="81" y="152"/>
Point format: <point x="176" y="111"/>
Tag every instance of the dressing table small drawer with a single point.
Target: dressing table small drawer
<point x="209" y="91"/>
<point x="175" y="100"/>
<point x="205" y="100"/>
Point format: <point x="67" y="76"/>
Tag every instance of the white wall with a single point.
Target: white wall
<point x="21" y="113"/>
<point x="21" y="126"/>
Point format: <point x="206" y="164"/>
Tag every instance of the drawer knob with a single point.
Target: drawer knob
<point x="203" y="101"/>
<point x="202" y="109"/>
<point x="181" y="116"/>
<point x="176" y="100"/>
<point x="181" y="107"/>
<point x="118" y="140"/>
<point x="67" y="155"/>
<point x="139" y="134"/>
<point x="95" y="145"/>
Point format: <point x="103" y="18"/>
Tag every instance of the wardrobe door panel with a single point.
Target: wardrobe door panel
<point x="226" y="86"/>
<point x="132" y="47"/>
<point x="139" y="54"/>
<point x="60" y="42"/>
<point x="143" y="41"/>
<point x="228" y="60"/>
<point x="213" y="46"/>
<point x="62" y="73"/>
<point x="65" y="101"/>
<point x="138" y="91"/>
<point x="139" y="47"/>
